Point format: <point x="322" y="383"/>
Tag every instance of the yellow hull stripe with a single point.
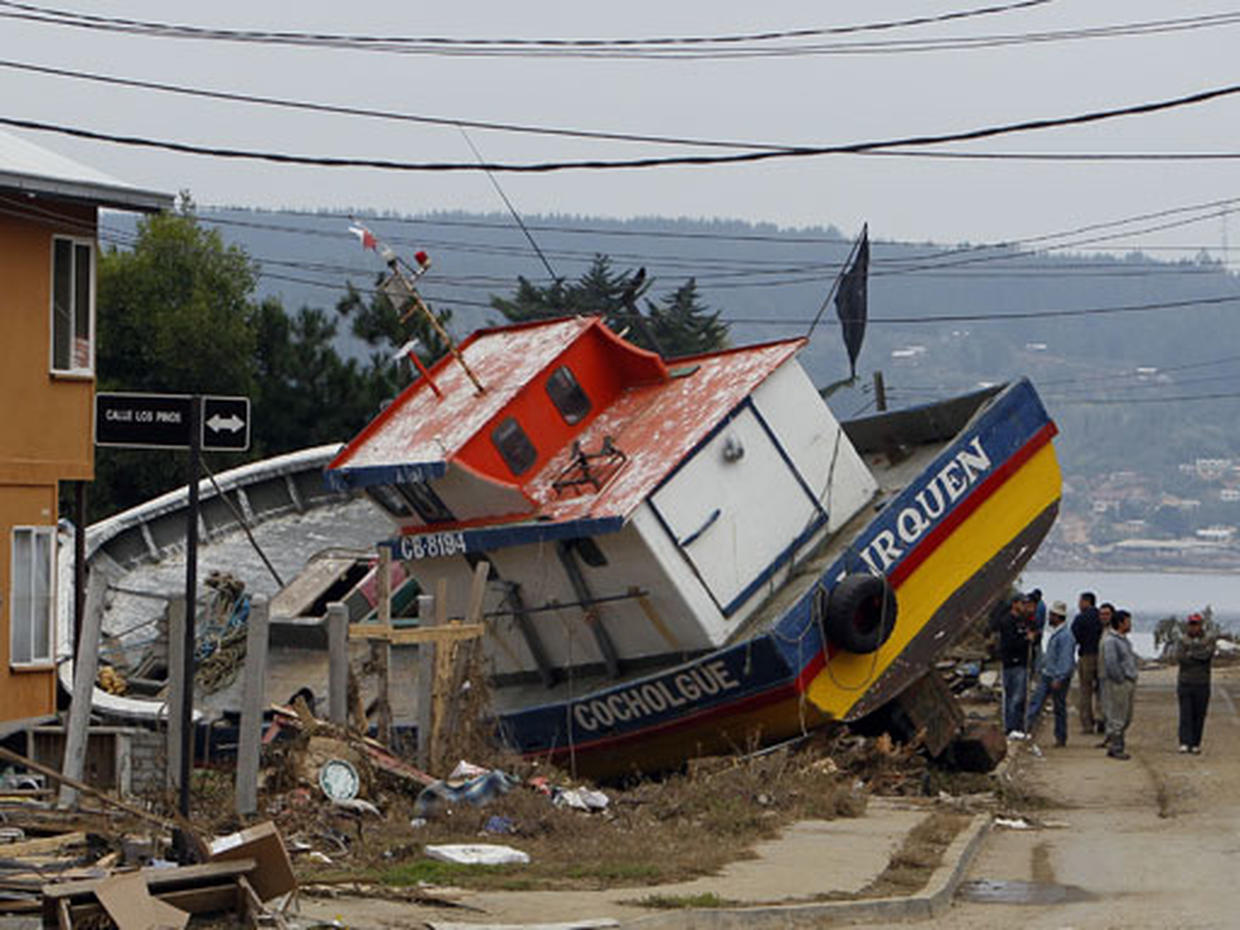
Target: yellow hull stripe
<point x="999" y="520"/>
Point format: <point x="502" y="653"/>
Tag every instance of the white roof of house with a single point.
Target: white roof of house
<point x="25" y="166"/>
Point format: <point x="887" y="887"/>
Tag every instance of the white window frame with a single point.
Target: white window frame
<point x="76" y="371"/>
<point x="28" y="570"/>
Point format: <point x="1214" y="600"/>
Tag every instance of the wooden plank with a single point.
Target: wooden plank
<point x="159" y="880"/>
<point x="253" y="699"/>
<point x="299" y="595"/>
<point x="406" y="636"/>
<point x="477" y="592"/>
<point x="41" y="845"/>
<point x="85" y="669"/>
<point x="210" y="899"/>
<point x="17" y="759"/>
<point x="176" y="661"/>
<point x="338" y="664"/>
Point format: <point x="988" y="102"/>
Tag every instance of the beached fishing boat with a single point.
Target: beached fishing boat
<point x="693" y="555"/>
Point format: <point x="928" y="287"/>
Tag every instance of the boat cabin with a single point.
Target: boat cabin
<point x="660" y="502"/>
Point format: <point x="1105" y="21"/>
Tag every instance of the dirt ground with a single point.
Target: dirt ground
<point x="1153" y="842"/>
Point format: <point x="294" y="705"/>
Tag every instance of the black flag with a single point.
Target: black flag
<point x="850" y="300"/>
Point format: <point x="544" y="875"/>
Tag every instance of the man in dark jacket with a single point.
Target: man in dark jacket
<point x="1015" y="648"/>
<point x="1087" y="630"/>
<point x="1192" y="646"/>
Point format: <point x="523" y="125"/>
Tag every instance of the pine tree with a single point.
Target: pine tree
<point x="684" y="326"/>
<point x="679" y="325"/>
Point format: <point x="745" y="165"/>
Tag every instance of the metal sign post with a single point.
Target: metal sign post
<point x="194" y="423"/>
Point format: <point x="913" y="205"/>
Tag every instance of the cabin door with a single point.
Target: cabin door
<point x="735" y="508"/>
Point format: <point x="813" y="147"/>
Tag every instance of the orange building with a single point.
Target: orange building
<point x="49" y="207"/>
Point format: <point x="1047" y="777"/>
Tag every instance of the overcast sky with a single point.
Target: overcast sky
<point x="805" y="100"/>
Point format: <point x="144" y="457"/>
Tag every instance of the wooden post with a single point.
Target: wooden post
<point x="426" y="675"/>
<point x="338" y="664"/>
<point x="176" y="646"/>
<point x="381" y="650"/>
<point x="85" y="670"/>
<point x="253" y="694"/>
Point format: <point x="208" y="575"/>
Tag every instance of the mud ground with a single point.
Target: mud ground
<point x="1152" y="842"/>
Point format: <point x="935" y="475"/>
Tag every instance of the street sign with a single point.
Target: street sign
<point x="143" y="421"/>
<point x="225" y="424"/>
<point x="163" y="421"/>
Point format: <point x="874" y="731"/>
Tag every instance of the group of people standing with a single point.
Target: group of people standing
<point x="1097" y="647"/>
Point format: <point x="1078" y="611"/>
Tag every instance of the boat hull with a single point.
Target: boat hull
<point x="949" y="544"/>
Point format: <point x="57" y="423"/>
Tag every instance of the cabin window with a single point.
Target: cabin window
<point x="429" y="506"/>
<point x="387" y="497"/>
<point x="514" y="446"/>
<point x="567" y="395"/>
<point x="73" y="290"/>
<point x="30" y="605"/>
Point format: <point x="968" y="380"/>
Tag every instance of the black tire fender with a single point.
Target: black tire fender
<point x="858" y="614"/>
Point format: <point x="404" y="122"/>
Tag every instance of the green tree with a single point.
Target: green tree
<point x="174" y="311"/>
<point x="177" y="314"/>
<point x="683" y="325"/>
<point x="307" y="393"/>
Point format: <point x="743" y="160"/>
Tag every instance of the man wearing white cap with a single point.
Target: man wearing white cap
<point x="1055" y="674"/>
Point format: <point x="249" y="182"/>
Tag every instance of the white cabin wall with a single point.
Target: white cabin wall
<point x="565" y="637"/>
<point x="806" y="429"/>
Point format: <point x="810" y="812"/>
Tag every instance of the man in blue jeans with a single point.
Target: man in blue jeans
<point x="1055" y="674"/>
<point x="1016" y="636"/>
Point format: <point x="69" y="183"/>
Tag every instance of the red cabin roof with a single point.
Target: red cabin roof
<point x="651" y="417"/>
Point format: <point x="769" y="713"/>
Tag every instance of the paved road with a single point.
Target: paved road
<point x="1152" y="842"/>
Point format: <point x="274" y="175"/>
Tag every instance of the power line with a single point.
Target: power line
<point x="71" y="17"/>
<point x="649" y="162"/>
<point x="674" y="48"/>
<point x="371" y="113"/>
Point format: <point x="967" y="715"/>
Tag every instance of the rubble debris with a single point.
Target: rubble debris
<point x="166" y="894"/>
<point x="477" y="854"/>
<point x="272" y="874"/>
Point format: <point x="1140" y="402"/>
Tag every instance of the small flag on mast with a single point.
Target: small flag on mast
<point x="365" y="235"/>
<point x="851" y="300"/>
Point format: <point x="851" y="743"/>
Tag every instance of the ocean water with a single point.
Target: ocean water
<point x="1149" y="596"/>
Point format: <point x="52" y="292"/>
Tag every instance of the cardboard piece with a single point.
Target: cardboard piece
<point x="128" y="901"/>
<point x="273" y="871"/>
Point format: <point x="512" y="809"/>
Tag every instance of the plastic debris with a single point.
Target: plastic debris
<point x="475" y="792"/>
<point x="1013" y="823"/>
<point x="477" y="854"/>
<point x="498" y="824"/>
<point x="357" y="806"/>
<point x="582" y="799"/>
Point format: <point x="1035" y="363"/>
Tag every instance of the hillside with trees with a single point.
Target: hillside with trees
<point x="1106" y="338"/>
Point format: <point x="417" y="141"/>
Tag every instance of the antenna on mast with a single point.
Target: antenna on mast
<point x="401" y="288"/>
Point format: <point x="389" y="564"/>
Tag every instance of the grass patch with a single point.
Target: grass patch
<point x="680" y="901"/>
<point x="911" y="866"/>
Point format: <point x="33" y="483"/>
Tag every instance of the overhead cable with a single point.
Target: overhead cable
<point x="985" y="132"/>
